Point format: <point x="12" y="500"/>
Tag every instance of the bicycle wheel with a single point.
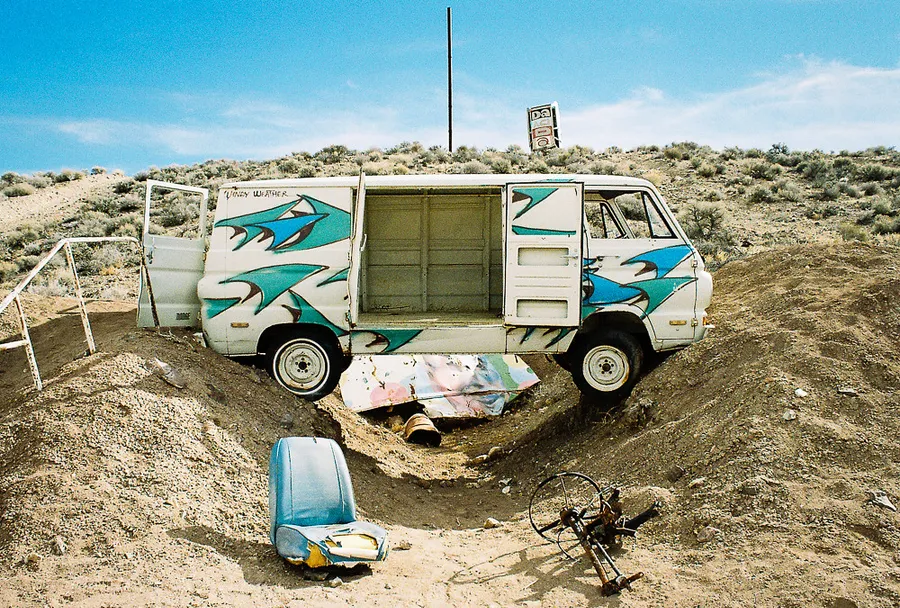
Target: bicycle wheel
<point x="565" y="490"/>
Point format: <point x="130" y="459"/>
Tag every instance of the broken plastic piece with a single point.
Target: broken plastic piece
<point x="880" y="498"/>
<point x="168" y="373"/>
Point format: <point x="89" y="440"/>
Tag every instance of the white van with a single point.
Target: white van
<point x="308" y="272"/>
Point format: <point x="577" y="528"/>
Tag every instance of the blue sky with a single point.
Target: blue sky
<point x="127" y="85"/>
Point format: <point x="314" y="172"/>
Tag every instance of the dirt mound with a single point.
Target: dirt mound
<point x="774" y="430"/>
<point x="109" y="458"/>
<point x="118" y="488"/>
<point x="159" y="493"/>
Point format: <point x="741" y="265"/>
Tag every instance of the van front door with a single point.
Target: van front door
<point x="175" y="264"/>
<point x="639" y="262"/>
<point x="543" y="224"/>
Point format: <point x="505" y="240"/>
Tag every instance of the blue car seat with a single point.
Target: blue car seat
<point x="311" y="507"/>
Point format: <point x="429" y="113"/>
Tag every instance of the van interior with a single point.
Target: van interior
<point x="434" y="255"/>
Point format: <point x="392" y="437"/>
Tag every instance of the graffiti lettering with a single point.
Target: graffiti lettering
<point x="229" y="194"/>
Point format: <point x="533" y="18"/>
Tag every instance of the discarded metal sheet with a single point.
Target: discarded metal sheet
<point x="446" y="386"/>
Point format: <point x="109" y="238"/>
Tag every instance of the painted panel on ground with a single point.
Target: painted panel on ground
<point x="447" y="386"/>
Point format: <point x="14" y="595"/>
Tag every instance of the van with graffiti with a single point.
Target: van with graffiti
<point x="592" y="269"/>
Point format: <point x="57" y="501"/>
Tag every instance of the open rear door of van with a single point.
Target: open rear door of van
<point x="175" y="264"/>
<point x="543" y="254"/>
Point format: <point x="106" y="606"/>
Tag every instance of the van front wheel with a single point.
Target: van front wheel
<point x="308" y="367"/>
<point x="606" y="365"/>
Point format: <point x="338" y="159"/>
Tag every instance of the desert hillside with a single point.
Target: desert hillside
<point x="766" y="442"/>
<point x="732" y="202"/>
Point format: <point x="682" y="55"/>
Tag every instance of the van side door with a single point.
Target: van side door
<point x="543" y="224"/>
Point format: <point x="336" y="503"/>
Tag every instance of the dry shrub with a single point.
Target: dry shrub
<point x="870" y="188"/>
<point x="501" y="165"/>
<point x="815" y="169"/>
<point x="702" y="220"/>
<point x="536" y="165"/>
<point x="761" y="169"/>
<point x="760" y="194"/>
<point x="20" y="189"/>
<point x="656" y="178"/>
<point x="464" y="154"/>
<point x="790" y="191"/>
<point x="707" y="170"/>
<point x="705" y="224"/>
<point x="604" y="168"/>
<point x="875" y="173"/>
<point x="8" y="270"/>
<point x="381" y="167"/>
<point x="851" y="232"/>
<point x="886" y="225"/>
<point x="677" y="152"/>
<point x="475" y="167"/>
<point x="67" y="175"/>
<point x="39" y="181"/>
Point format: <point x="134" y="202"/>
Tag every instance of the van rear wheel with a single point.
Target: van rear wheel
<point x="307" y="366"/>
<point x="607" y="364"/>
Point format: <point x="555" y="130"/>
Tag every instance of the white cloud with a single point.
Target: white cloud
<point x="91" y="131"/>
<point x="820" y="105"/>
<point x="815" y="105"/>
<point x="253" y="131"/>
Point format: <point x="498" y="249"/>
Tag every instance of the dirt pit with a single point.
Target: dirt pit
<point x="117" y="489"/>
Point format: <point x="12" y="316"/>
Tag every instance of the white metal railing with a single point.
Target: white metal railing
<point x="66" y="245"/>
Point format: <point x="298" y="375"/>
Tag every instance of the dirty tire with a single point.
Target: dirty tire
<point x="307" y="365"/>
<point x="606" y="365"/>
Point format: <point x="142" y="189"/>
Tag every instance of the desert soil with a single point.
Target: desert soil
<point x="55" y="202"/>
<point x="117" y="489"/>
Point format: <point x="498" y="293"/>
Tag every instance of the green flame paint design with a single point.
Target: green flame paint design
<point x="272" y="281"/>
<point x="537" y="196"/>
<point x="304" y="312"/>
<point x="290" y="228"/>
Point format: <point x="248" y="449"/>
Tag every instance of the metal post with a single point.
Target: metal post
<point x="29" y="348"/>
<point x="449" y="80"/>
<point x="92" y="348"/>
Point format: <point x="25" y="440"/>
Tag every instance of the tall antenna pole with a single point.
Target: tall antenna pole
<point x="449" y="80"/>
